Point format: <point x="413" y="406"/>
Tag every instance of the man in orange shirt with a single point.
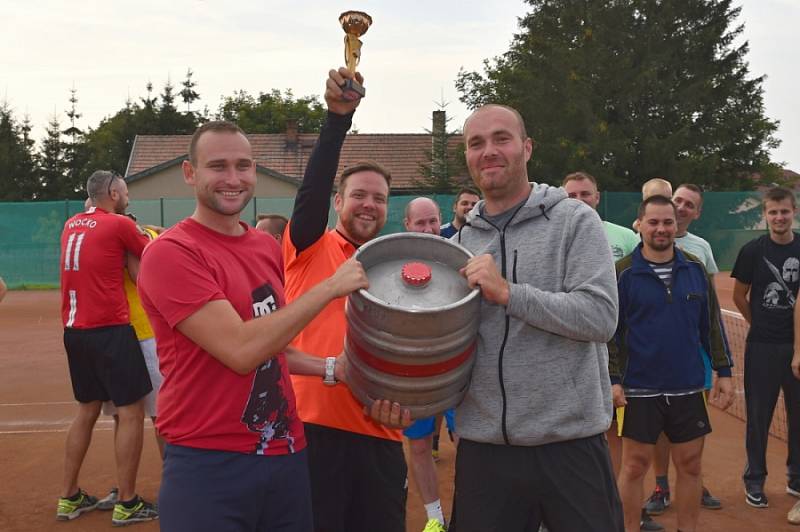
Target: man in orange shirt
<point x="357" y="468"/>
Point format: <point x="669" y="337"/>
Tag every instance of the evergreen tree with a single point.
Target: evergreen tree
<point x="631" y="89"/>
<point x="17" y="166"/>
<point x="75" y="150"/>
<point x="188" y="94"/>
<point x="170" y="121"/>
<point x="52" y="166"/>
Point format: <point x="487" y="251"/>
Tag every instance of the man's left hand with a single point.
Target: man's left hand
<point x="722" y="394"/>
<point x="481" y="271"/>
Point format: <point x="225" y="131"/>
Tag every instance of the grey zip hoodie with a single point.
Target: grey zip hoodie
<point x="541" y="370"/>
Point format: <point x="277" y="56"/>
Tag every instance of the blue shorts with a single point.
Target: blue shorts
<point x="425" y="426"/>
<point x="204" y="490"/>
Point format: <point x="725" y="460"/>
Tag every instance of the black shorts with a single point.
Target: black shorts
<point x="566" y="485"/>
<point x="106" y="364"/>
<point x="358" y="482"/>
<point x="682" y="418"/>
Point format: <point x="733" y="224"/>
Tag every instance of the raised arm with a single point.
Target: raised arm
<point x="310" y="215"/>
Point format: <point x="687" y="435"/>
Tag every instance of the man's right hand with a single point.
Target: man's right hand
<point x="349" y="277"/>
<point x="339" y="101"/>
<point x="618" y="395"/>
<point x="389" y="414"/>
<point x="796" y="363"/>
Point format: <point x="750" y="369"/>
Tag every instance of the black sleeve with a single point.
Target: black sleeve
<point x="745" y="262"/>
<point x="313" y="200"/>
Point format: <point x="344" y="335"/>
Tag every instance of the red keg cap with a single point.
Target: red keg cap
<point x="416" y="273"/>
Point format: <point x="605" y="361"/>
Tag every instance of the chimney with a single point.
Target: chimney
<point x="291" y="132"/>
<point x="439" y="122"/>
<point x="439" y="145"/>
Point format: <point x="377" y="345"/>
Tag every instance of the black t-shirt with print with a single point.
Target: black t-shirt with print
<point x="773" y="273"/>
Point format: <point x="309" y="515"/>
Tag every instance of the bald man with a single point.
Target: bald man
<point x="272" y="224"/>
<point x="422" y="215"/>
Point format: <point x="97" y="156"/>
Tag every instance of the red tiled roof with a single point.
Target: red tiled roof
<point x="401" y="154"/>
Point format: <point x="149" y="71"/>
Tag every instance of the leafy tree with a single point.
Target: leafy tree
<point x="268" y="112"/>
<point x="17" y="165"/>
<point x="631" y="89"/>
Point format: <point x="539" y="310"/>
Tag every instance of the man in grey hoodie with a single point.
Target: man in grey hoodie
<point x="532" y="422"/>
<point x="532" y="449"/>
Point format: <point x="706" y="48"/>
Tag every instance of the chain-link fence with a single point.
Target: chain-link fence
<point x="30" y="232"/>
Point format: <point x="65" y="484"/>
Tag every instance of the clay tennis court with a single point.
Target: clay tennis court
<point x="36" y="407"/>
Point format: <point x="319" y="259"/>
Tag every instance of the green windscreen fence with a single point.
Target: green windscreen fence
<point x="30" y="232"/>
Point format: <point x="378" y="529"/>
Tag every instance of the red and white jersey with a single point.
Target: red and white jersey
<point x="94" y="245"/>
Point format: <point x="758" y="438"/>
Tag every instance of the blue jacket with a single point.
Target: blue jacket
<point x="660" y="329"/>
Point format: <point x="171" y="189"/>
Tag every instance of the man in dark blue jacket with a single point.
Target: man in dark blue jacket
<point x="667" y="308"/>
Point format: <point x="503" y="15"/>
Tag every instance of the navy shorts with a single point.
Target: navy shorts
<point x="211" y="491"/>
<point x="106" y="364"/>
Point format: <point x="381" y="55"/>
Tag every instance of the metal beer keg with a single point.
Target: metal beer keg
<point x="411" y="336"/>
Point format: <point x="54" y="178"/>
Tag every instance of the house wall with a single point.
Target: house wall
<point x="168" y="183"/>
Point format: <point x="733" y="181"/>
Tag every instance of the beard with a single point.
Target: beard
<point x="360" y="231"/>
<point x="659" y="246"/>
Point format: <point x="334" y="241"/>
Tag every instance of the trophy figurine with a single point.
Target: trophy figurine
<point x="355" y="24"/>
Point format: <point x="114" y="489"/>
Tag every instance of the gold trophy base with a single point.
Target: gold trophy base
<point x="354" y="86"/>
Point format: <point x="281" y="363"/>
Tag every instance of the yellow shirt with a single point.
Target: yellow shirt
<point x="139" y="320"/>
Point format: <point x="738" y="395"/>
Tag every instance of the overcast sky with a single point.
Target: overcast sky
<point x="411" y="56"/>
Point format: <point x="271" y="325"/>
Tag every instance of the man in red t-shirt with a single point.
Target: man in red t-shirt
<point x="213" y="289"/>
<point x="105" y="360"/>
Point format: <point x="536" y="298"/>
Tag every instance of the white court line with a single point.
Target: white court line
<point x="45" y="431"/>
<point x="53" y="403"/>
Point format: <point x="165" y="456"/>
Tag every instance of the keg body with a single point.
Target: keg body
<point x="411" y="336"/>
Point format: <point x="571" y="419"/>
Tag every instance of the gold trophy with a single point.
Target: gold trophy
<point x="355" y="24"/>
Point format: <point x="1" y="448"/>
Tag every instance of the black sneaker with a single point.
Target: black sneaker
<point x="648" y="525"/>
<point x="709" y="502"/>
<point x="756" y="499"/>
<point x="657" y="502"/>
<point x="793" y="487"/>
<point x="69" y="509"/>
<point x="141" y="511"/>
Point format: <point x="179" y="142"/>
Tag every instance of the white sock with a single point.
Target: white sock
<point x="434" y="510"/>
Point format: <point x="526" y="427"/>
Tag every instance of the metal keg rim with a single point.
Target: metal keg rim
<point x="474" y="293"/>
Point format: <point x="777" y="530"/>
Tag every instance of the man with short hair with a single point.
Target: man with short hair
<point x="688" y="200"/>
<point x="422" y="215"/>
<point x="767" y="273"/>
<point x="583" y="187"/>
<point x="105" y="359"/>
<point x="272" y="224"/>
<point x="466" y="198"/>
<point x="213" y="288"/>
<point x="357" y="467"/>
<point x="146" y="337"/>
<point x="549" y="305"/>
<point x="667" y="309"/>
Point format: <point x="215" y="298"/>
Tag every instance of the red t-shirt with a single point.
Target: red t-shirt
<point x="203" y="403"/>
<point x="94" y="246"/>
